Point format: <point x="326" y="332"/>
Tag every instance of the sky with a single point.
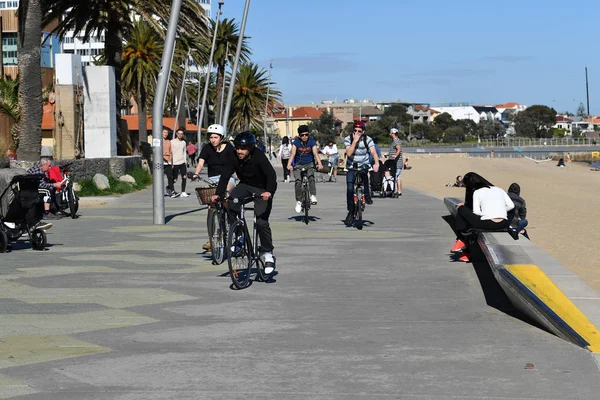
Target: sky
<point x="437" y="52"/>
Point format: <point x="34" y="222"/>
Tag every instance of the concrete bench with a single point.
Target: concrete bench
<point x="540" y="287"/>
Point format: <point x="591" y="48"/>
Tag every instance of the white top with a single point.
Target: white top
<point x="179" y="154"/>
<point x="330" y="150"/>
<point x="491" y="203"/>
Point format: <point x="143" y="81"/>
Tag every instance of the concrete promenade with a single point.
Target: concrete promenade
<point x="119" y="309"/>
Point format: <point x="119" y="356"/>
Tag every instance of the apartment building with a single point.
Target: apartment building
<point x="9" y="22"/>
<point x="95" y="45"/>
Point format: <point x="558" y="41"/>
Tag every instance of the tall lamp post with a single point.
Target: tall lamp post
<point x="234" y="69"/>
<point x="207" y="83"/>
<point x="157" y="115"/>
<point x="267" y="105"/>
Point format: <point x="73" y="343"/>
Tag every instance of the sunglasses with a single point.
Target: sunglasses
<point x="358" y="130"/>
<point x="303" y="134"/>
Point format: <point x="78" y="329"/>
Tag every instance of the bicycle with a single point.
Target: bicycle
<point x="216" y="220"/>
<point x="305" y="194"/>
<point x="242" y="253"/>
<point x="359" y="197"/>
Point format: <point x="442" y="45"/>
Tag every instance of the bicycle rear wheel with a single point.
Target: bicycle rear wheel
<point x="238" y="255"/>
<point x="217" y="238"/>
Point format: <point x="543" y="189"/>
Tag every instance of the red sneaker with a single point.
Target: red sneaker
<point x="458" y="246"/>
<point x="464" y="257"/>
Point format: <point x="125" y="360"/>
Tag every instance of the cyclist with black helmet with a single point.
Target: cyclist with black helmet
<point x="358" y="147"/>
<point x="305" y="154"/>
<point x="256" y="176"/>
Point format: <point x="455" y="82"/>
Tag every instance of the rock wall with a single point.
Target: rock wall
<point x="86" y="168"/>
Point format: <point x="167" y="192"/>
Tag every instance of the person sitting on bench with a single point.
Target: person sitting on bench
<point x="486" y="207"/>
<point x="519" y="221"/>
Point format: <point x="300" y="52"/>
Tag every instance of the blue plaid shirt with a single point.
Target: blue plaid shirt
<point x="44" y="183"/>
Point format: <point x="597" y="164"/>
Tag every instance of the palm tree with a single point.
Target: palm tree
<point x="30" y="80"/>
<point x="114" y="18"/>
<point x="228" y="35"/>
<point x="250" y="96"/>
<point x="141" y="64"/>
<point x="9" y="106"/>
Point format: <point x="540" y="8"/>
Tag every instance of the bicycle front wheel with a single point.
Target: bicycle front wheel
<point x="306" y="204"/>
<point x="238" y="255"/>
<point x="217" y="238"/>
<point x="358" y="205"/>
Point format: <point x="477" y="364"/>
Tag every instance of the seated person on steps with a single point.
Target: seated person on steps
<point x="486" y="207"/>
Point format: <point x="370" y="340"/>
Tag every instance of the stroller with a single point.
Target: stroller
<point x="376" y="180"/>
<point x="20" y="209"/>
<point x="388" y="179"/>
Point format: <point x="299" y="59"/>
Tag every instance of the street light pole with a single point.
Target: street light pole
<point x="267" y="105"/>
<point x="207" y="83"/>
<point x="157" y="116"/>
<point x="234" y="69"/>
<point x="223" y="91"/>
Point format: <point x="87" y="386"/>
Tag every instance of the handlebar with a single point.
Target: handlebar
<point x="190" y="176"/>
<point x="65" y="167"/>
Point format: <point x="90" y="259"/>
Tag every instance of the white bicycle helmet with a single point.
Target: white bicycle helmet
<point x="393" y="130"/>
<point x="216" y="128"/>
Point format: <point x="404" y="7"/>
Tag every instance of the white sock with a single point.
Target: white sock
<point x="269" y="257"/>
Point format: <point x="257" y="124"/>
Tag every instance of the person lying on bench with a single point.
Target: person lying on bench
<point x="486" y="207"/>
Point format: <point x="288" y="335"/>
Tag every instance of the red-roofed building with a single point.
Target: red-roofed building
<point x="48" y="125"/>
<point x="285" y="121"/>
<point x="132" y="121"/>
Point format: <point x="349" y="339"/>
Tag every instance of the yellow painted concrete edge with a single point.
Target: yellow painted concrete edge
<point x="542" y="286"/>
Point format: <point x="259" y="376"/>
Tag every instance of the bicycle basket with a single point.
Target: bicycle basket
<point x="204" y="194"/>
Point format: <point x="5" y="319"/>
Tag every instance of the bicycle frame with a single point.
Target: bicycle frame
<point x="242" y="217"/>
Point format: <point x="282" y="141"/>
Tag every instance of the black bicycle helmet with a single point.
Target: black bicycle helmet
<point x="245" y="139"/>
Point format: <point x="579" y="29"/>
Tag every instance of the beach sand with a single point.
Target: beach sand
<point x="563" y="204"/>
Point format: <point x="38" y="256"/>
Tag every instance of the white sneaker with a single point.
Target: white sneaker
<point x="184" y="194"/>
<point x="298" y="206"/>
<point x="269" y="263"/>
<point x="313" y="199"/>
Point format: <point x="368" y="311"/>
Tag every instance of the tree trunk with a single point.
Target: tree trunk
<point x="30" y="80"/>
<point x="142" y="127"/>
<point x="114" y="50"/>
<point x="220" y="94"/>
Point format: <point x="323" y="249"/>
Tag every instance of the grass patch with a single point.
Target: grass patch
<point x="142" y="178"/>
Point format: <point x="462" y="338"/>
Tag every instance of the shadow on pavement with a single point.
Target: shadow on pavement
<point x="492" y="291"/>
<point x="171" y="217"/>
<point x="300" y="218"/>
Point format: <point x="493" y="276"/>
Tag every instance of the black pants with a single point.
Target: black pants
<point x="262" y="209"/>
<point x="350" y="187"/>
<point x="466" y="219"/>
<point x="286" y="171"/>
<point x="180" y="170"/>
<point x="169" y="174"/>
<point x="35" y="213"/>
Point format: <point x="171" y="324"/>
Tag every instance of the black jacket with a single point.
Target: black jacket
<point x="520" y="207"/>
<point x="256" y="171"/>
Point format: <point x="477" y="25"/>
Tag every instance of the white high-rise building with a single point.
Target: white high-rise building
<point x="206" y="4"/>
<point x="94" y="47"/>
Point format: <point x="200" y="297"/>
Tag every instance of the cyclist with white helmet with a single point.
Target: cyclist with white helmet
<point x="218" y="155"/>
